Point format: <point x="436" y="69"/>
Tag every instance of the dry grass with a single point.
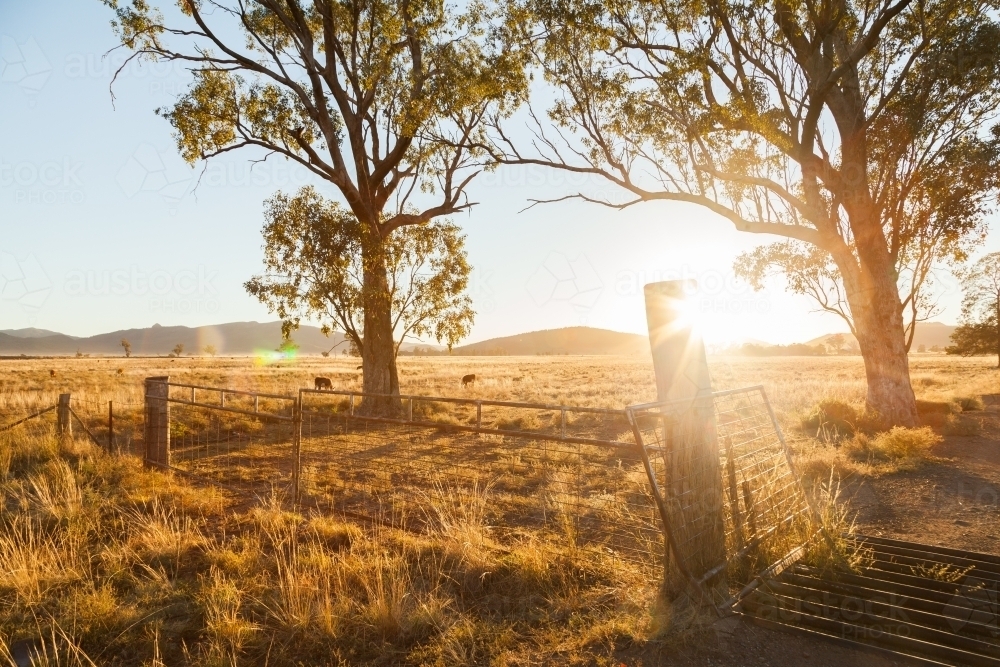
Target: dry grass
<point x="902" y="447"/>
<point x="107" y="563"/>
<point x="103" y="562"/>
<point x="794" y="385"/>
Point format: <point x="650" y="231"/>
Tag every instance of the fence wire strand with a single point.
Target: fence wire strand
<point x="590" y="496"/>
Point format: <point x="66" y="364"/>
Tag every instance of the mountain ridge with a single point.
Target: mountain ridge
<point x="248" y="338"/>
<point x="565" y="340"/>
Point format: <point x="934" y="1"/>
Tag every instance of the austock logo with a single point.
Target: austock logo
<point x="24" y="282"/>
<point x="163" y="173"/>
<point x="186" y="291"/>
<point x="560" y="279"/>
<point x="976" y="602"/>
<point x="46" y="182"/>
<point x="23" y="64"/>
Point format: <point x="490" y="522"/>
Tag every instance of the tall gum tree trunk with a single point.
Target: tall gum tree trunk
<point x="887" y="367"/>
<point x="878" y="322"/>
<point x="875" y="304"/>
<point x="378" y="355"/>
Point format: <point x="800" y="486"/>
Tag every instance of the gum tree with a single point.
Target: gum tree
<point x="979" y="331"/>
<point x="384" y="101"/>
<point x="314" y="269"/>
<point x="863" y="133"/>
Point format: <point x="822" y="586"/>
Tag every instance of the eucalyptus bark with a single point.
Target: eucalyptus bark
<point x="378" y="351"/>
<point x="870" y="276"/>
<point x="878" y="323"/>
<point x="869" y="272"/>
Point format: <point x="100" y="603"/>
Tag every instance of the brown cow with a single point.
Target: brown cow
<point x="324" y="383"/>
<point x="468" y="379"/>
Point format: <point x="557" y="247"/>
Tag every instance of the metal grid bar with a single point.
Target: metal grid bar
<point x="237" y="450"/>
<point x="114" y="425"/>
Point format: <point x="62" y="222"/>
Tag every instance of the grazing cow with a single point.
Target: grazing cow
<point x="324" y="383"/>
<point x="52" y="374"/>
<point x="468" y="379"/>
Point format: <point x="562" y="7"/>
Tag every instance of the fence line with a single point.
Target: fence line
<point x="28" y="418"/>
<point x="754" y="506"/>
<point x="619" y="483"/>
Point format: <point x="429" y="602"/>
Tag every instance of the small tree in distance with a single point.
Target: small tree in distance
<point x="979" y="331"/>
<point x="288" y="347"/>
<point x="210" y="350"/>
<point x="127" y="346"/>
<point x="315" y="264"/>
<point x="178" y="350"/>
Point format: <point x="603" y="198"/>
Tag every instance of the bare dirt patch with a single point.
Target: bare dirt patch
<point x="952" y="500"/>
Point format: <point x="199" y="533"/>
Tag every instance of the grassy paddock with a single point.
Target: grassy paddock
<point x="112" y="564"/>
<point x="108" y="563"/>
<point x="793" y="384"/>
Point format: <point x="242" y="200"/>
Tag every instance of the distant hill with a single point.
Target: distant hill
<point x="928" y="334"/>
<point x="570" y="340"/>
<point x="30" y="333"/>
<point x="233" y="338"/>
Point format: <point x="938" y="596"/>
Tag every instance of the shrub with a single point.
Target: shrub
<point x="898" y="443"/>
<point x="934" y="413"/>
<point x="906" y="442"/>
<point x="833" y="414"/>
<point x="969" y="403"/>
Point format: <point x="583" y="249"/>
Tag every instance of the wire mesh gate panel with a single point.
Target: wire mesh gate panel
<point x="569" y="476"/>
<point x="244" y="441"/>
<point x="733" y="507"/>
<point x="115" y="425"/>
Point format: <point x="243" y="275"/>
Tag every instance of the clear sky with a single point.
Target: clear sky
<point x="102" y="226"/>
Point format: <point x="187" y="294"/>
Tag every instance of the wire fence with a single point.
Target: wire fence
<point x="240" y="440"/>
<point x="710" y="479"/>
<point x="732" y="505"/>
<point x="115" y="426"/>
<point x="26" y="420"/>
<point x="571" y="476"/>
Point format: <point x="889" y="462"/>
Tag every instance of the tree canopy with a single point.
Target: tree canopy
<point x="382" y="99"/>
<point x="864" y="133"/>
<point x="386" y="101"/>
<point x="313" y="263"/>
<point x="979" y="331"/>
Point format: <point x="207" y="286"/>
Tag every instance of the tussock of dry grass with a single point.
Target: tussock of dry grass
<point x="897" y="444"/>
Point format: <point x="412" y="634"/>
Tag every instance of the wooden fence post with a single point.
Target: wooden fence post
<point x="297" y="450"/>
<point x="692" y="461"/>
<point x="64" y="423"/>
<point x="156" y="433"/>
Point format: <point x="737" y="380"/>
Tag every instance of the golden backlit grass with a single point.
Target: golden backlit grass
<point x="794" y="384"/>
<point x="103" y="562"/>
<point x="108" y="563"/>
